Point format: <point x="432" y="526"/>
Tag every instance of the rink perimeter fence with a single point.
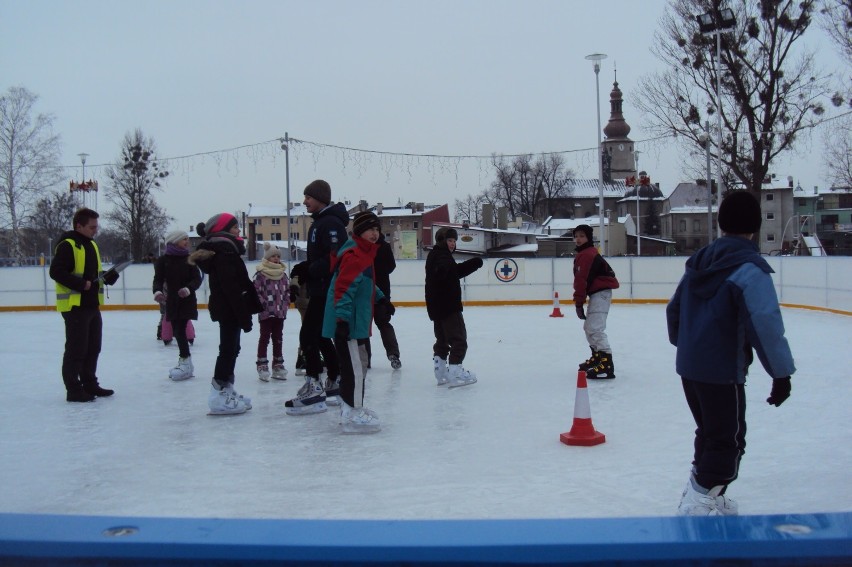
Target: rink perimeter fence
<point x="821" y="284"/>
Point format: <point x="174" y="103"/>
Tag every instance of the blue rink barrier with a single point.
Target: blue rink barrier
<point x="799" y="539"/>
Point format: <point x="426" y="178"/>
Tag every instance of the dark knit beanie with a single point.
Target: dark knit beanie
<point x="585" y="229"/>
<point x="223" y="222"/>
<point x="364" y="221"/>
<point x="739" y="213"/>
<point x="319" y="190"/>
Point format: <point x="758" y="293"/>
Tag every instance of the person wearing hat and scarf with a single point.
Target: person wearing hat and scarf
<point x="725" y="307"/>
<point x="348" y="319"/>
<point x="175" y="283"/>
<point x="444" y="307"/>
<point x="326" y="235"/>
<point x="273" y="290"/>
<point x="233" y="303"/>
<point x="593" y="277"/>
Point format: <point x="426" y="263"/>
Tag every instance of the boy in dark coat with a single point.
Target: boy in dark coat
<point x="384" y="265"/>
<point x="594" y="278"/>
<point x="444" y="306"/>
<point x="724" y="306"/>
<point x="175" y="283"/>
<point x="233" y="302"/>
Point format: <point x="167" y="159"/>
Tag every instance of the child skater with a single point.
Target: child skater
<point x="348" y="319"/>
<point x="300" y="298"/>
<point x="173" y="272"/>
<point x="233" y="301"/>
<point x="444" y="307"/>
<point x="593" y="277"/>
<point x="273" y="290"/>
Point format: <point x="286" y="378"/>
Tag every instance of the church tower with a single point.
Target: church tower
<point x="618" y="157"/>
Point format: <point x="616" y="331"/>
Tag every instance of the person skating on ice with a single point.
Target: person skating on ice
<point x="273" y="290"/>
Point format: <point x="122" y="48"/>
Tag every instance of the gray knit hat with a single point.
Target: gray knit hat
<point x="319" y="190"/>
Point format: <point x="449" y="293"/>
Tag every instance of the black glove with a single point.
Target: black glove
<point x="580" y="313"/>
<point x="780" y="391"/>
<point x="110" y="277"/>
<point x="390" y="309"/>
<point x="246" y="325"/>
<point x="341" y="332"/>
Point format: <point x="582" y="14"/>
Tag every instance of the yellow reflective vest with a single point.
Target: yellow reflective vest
<point x="66" y="298"/>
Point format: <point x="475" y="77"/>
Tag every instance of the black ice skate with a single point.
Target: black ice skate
<point x="603" y="368"/>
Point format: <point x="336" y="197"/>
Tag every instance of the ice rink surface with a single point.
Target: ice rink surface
<point x="490" y="450"/>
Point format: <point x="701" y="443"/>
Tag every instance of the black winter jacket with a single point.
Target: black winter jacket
<point x="232" y="292"/>
<point x="172" y="272"/>
<point x="443" y="290"/>
<point x="62" y="267"/>
<point x="384" y="265"/>
<point x="325" y="237"/>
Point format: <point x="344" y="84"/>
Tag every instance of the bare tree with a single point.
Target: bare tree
<point x="837" y="153"/>
<point x="768" y="93"/>
<point x="52" y="215"/>
<point x="836" y="20"/>
<point x="136" y="214"/>
<point x="469" y="209"/>
<point x="29" y="160"/>
<point x="521" y="184"/>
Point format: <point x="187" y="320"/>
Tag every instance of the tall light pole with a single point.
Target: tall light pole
<point x="704" y="137"/>
<point x="716" y="23"/>
<point x="596" y="59"/>
<point x="638" y="185"/>
<point x="285" y="145"/>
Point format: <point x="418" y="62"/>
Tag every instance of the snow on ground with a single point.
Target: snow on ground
<point x="490" y="450"/>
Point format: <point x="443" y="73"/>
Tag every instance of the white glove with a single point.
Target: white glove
<point x="159" y="297"/>
<point x="183" y="292"/>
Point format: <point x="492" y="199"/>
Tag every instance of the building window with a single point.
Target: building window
<point x="391" y="222"/>
<point x="275" y="236"/>
<point x="696" y="226"/>
<point x="294" y="235"/>
<point x="415" y="224"/>
<point x="770" y="237"/>
<point x="276" y="221"/>
<point x="293" y="220"/>
<point x="258" y="236"/>
<point x="258" y="222"/>
<point x="770" y="197"/>
<point x="770" y="216"/>
<point x="682" y="225"/>
<point x="801" y="203"/>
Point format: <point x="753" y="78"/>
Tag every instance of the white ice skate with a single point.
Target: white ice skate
<point x="460" y="377"/>
<point x="442" y="373"/>
<point x="359" y="420"/>
<point x="223" y="402"/>
<point x="263" y="369"/>
<point x="310" y="399"/>
<point x="183" y="370"/>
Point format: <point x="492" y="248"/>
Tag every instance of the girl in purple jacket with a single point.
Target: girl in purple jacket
<point x="273" y="290"/>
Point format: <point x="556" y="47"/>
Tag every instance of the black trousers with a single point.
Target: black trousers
<point x="450" y="338"/>
<point x="83" y="332"/>
<point x="383" y="323"/>
<point x="229" y="350"/>
<point x="352" y="382"/>
<point x="719" y="413"/>
<point x="312" y="341"/>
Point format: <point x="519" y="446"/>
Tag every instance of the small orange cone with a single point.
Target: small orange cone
<point x="582" y="431"/>
<point x="557" y="312"/>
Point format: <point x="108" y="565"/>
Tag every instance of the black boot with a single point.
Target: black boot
<point x="603" y="368"/>
<point x="591" y="361"/>
<point x="94" y="389"/>
<point x="79" y="395"/>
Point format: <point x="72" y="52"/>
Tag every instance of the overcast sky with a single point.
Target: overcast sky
<point x="453" y="78"/>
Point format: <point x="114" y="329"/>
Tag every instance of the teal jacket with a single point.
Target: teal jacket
<point x="353" y="289"/>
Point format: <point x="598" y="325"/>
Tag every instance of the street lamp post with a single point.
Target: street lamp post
<point x="716" y="23"/>
<point x="285" y="145"/>
<point x="596" y="59"/>
<point x="704" y="137"/>
<point x="638" y="185"/>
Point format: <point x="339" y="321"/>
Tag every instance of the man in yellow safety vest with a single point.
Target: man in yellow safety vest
<point x="76" y="269"/>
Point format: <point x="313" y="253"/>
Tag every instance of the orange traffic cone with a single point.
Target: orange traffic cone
<point x="556" y="311"/>
<point x="582" y="431"/>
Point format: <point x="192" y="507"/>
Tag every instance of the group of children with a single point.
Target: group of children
<point x="724" y="306"/>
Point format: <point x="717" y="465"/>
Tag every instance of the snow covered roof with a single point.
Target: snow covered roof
<point x="276" y="211"/>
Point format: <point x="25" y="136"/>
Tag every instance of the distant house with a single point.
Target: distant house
<point x="406" y="227"/>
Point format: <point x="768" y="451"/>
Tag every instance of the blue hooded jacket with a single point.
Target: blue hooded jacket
<point x="724" y="306"/>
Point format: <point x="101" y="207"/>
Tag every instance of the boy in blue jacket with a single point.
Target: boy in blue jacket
<point x="724" y="306"/>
